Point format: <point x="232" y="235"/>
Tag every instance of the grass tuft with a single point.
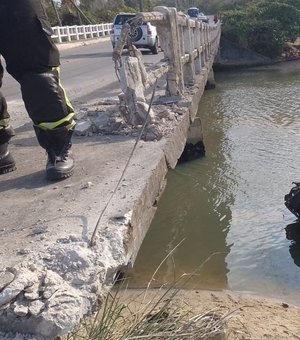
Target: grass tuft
<point x="159" y="316"/>
<point x="152" y="314"/>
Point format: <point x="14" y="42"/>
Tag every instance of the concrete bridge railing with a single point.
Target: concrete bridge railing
<point x="188" y="45"/>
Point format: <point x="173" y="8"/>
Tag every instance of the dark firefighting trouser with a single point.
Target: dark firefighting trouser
<point x="33" y="60"/>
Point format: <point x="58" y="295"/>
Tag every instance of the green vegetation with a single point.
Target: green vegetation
<point x="88" y="12"/>
<point x="260" y="25"/>
<point x="263" y="26"/>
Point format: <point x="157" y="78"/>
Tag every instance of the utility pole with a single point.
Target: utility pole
<point x="56" y="13"/>
<point x="141" y="5"/>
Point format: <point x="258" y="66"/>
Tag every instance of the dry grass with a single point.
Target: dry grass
<point x="147" y="316"/>
<point x="158" y="317"/>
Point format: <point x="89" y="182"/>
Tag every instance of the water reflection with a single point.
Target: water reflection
<point x="202" y="221"/>
<point x="196" y="207"/>
<point x="293" y="235"/>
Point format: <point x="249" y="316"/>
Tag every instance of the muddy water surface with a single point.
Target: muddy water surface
<point x="227" y="208"/>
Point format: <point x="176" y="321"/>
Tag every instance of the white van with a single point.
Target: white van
<point x="144" y="36"/>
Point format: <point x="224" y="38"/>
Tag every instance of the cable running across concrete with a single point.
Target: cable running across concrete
<point x="93" y="242"/>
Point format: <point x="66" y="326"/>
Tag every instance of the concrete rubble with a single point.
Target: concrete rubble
<point x="51" y="275"/>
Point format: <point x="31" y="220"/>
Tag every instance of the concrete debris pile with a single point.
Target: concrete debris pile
<point x="49" y="292"/>
<point x="109" y="117"/>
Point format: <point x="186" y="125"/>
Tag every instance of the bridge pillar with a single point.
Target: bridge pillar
<point x="194" y="147"/>
<point x="210" y="83"/>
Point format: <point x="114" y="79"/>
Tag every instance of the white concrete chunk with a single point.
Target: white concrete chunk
<point x="82" y="128"/>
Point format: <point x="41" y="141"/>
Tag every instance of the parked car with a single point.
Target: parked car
<point x="144" y="36"/>
<point x="194" y="13"/>
<point x="202" y="17"/>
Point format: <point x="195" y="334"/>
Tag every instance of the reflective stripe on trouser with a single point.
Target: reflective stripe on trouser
<point x="4" y="123"/>
<point x="46" y="101"/>
<point x="67" y="121"/>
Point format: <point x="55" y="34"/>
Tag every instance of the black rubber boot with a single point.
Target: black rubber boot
<point x="7" y="162"/>
<point x="57" y="143"/>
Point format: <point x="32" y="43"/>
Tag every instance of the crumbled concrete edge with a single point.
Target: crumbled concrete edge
<point x="109" y="117"/>
<point x="50" y="293"/>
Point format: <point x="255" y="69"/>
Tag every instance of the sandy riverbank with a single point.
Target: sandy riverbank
<point x="251" y="317"/>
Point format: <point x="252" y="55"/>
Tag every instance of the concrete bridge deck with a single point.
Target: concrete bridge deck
<point x="50" y="273"/>
<point x="46" y="227"/>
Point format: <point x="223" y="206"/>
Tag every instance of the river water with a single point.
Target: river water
<point x="222" y="217"/>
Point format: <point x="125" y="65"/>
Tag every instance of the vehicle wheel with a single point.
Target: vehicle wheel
<point x="154" y="49"/>
<point x="136" y="34"/>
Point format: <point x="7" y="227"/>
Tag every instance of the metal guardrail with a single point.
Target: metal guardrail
<point x="70" y="33"/>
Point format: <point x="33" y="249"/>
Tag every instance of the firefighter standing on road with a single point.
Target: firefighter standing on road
<point x="33" y="60"/>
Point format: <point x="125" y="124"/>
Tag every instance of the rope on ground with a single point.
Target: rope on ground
<point x="93" y="238"/>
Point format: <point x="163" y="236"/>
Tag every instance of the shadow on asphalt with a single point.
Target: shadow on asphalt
<point x="88" y="55"/>
<point x="31" y="181"/>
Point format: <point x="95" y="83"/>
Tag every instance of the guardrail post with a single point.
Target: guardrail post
<point x="103" y="30"/>
<point x="59" y="35"/>
<point x="77" y="34"/>
<point x="188" y="46"/>
<point x="202" y="42"/>
<point x="170" y="43"/>
<point x="210" y="39"/>
<point x="132" y="83"/>
<point x="68" y="33"/>
<point x="198" y="46"/>
<point x="206" y="42"/>
<point x="214" y="38"/>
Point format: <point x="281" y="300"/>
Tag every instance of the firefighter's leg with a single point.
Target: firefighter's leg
<point x="7" y="162"/>
<point x="42" y="92"/>
<point x="33" y="60"/>
<point x="57" y="143"/>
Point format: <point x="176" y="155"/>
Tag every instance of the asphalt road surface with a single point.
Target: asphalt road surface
<point x="87" y="73"/>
